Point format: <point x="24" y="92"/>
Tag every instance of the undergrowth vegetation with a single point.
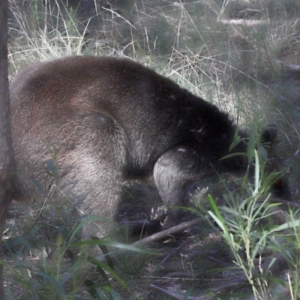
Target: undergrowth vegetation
<point x="241" y="55"/>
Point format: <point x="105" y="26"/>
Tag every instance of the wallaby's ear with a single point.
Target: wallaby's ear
<point x="269" y="134"/>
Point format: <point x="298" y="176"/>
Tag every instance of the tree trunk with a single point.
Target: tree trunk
<point x="6" y="153"/>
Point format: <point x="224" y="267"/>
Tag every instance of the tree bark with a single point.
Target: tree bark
<point x="6" y="152"/>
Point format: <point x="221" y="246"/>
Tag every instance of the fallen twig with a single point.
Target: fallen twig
<point x="286" y="202"/>
<point x="244" y="22"/>
<point x="167" y="232"/>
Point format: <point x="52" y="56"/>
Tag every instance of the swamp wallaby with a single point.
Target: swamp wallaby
<point x="111" y="120"/>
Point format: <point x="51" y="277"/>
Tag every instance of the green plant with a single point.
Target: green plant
<point x="246" y="228"/>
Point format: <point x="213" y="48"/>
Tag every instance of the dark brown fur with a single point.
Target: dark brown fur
<point x="113" y="120"/>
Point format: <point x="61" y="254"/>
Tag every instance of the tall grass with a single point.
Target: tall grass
<point x="241" y="56"/>
<point x="261" y="249"/>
